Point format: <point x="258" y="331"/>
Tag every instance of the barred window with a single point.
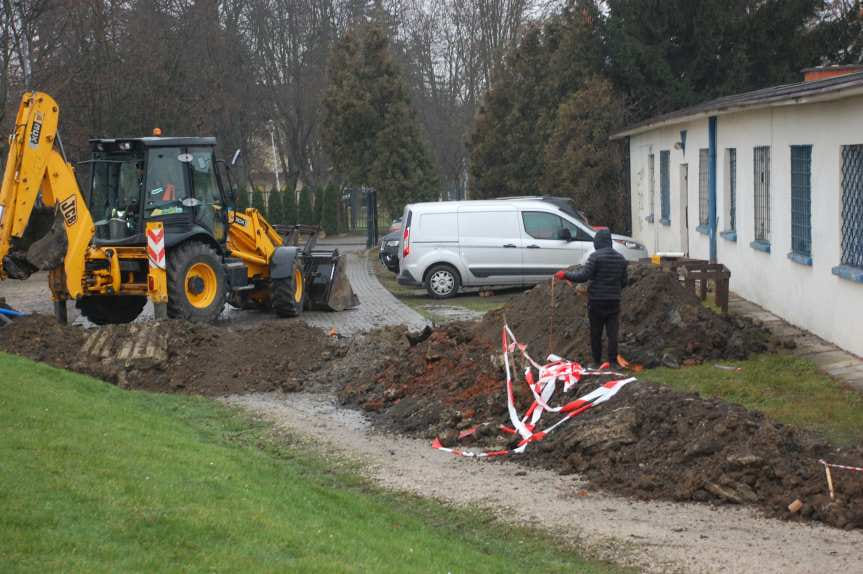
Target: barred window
<point x="664" y="186"/>
<point x="731" y="189"/>
<point x="651" y="187"/>
<point x="801" y="199"/>
<point x="852" y="205"/>
<point x="703" y="170"/>
<point x="761" y="162"/>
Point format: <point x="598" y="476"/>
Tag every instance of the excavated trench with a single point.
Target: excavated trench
<point x="649" y="441"/>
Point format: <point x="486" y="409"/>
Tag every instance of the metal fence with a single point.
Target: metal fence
<point x="703" y="175"/>
<point x="665" y="186"/>
<point x="801" y="199"/>
<point x="852" y="205"/>
<point x="732" y="189"/>
<point x="761" y="162"/>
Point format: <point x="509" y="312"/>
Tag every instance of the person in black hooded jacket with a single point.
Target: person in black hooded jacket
<point x="606" y="271"/>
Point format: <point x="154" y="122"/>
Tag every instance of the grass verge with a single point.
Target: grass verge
<point x="786" y="388"/>
<point x="94" y="478"/>
<point x="418" y="299"/>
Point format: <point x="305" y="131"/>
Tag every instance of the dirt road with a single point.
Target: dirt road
<point x="656" y="537"/>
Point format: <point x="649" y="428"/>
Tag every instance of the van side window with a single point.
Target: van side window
<point x="541" y="225"/>
<point x="578" y="234"/>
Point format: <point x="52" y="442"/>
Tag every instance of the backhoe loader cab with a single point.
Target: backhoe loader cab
<point x="157" y="223"/>
<point x="169" y="180"/>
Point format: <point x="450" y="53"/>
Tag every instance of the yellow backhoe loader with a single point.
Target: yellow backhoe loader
<point x="158" y="222"/>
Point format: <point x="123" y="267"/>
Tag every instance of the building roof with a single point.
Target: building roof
<point x="788" y="94"/>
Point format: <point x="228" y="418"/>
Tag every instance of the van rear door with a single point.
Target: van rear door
<point x="490" y="245"/>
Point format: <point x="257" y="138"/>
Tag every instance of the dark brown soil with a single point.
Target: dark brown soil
<point x="194" y="358"/>
<point x="660" y="323"/>
<point x="649" y="441"/>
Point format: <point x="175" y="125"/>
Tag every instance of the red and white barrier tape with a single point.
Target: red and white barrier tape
<point x="542" y="389"/>
<point x="842" y="466"/>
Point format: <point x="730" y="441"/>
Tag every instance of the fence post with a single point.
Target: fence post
<point x="372" y="217"/>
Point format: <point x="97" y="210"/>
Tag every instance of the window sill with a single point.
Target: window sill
<point x="850" y="273"/>
<point x="703" y="229"/>
<point x="800" y="258"/>
<point x="760" y="245"/>
<point x="665" y="221"/>
<point x="729" y="235"/>
<point x="649" y="219"/>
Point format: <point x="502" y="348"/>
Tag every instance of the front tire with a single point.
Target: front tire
<point x="111" y="310"/>
<point x="442" y="282"/>
<point x="289" y="294"/>
<point x="196" y="283"/>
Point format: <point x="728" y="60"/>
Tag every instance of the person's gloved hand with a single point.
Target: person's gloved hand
<point x="560" y="275"/>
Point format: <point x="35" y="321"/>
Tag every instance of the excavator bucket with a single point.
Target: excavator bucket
<point x="327" y="284"/>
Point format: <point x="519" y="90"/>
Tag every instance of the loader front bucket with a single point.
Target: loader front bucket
<point x="328" y="285"/>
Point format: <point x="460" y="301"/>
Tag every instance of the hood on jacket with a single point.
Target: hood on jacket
<point x="602" y="239"/>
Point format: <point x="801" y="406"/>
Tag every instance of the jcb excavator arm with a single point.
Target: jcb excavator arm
<point x="33" y="165"/>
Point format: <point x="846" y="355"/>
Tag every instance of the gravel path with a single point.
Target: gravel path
<point x="654" y="536"/>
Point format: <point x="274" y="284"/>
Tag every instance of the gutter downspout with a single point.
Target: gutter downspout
<point x="711" y="186"/>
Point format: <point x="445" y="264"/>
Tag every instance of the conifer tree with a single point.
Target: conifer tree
<point x="276" y="208"/>
<point x="370" y="131"/>
<point x="306" y="214"/>
<point x="329" y="209"/>
<point x="258" y="202"/>
<point x="289" y="200"/>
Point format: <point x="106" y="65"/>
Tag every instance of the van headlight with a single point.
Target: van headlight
<point x="629" y="244"/>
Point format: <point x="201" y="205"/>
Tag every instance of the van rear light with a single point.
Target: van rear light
<point x="406" y="249"/>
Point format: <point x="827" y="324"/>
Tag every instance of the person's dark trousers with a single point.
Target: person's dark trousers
<point x="603" y="314"/>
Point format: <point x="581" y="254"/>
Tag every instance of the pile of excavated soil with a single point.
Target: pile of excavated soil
<point x="178" y="356"/>
<point x="661" y="322"/>
<point x="648" y="441"/>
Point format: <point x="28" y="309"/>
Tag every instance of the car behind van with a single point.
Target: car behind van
<point x="446" y="246"/>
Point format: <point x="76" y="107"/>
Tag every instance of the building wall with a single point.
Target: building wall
<point x="809" y="296"/>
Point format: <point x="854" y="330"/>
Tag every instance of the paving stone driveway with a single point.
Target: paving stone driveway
<point x="378" y="307"/>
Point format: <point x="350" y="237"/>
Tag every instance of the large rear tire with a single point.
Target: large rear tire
<point x="108" y="310"/>
<point x="196" y="282"/>
<point x="289" y="294"/>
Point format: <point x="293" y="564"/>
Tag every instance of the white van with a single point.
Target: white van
<point x="502" y="242"/>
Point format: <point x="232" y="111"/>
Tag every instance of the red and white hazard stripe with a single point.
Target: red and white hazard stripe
<point x="542" y="390"/>
<point x="842" y="466"/>
<point x="156" y="245"/>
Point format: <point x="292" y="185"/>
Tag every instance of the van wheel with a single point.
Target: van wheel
<point x="442" y="282"/>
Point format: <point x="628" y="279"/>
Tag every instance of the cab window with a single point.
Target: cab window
<point x="166" y="184"/>
<point x="204" y="177"/>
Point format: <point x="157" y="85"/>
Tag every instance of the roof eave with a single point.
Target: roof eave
<point x="815" y="97"/>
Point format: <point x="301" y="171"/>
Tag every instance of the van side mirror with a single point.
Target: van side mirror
<point x="564" y="234"/>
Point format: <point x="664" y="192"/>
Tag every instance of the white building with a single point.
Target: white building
<point x="770" y="183"/>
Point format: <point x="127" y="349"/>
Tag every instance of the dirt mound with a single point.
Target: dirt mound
<point x="178" y="356"/>
<point x="660" y="323"/>
<point x="649" y="441"/>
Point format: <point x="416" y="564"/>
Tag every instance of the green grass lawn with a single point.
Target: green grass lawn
<point x="94" y="478"/>
<point x="419" y="300"/>
<point x="786" y="388"/>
